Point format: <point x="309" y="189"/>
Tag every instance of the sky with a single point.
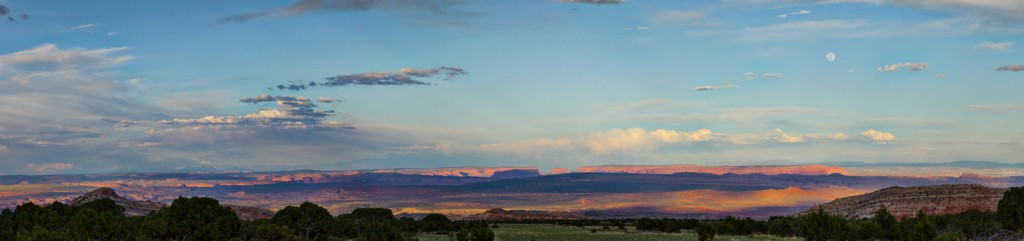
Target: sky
<point x="108" y="86"/>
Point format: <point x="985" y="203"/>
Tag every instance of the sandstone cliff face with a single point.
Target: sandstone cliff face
<point x="457" y="171"/>
<point x="131" y="207"/>
<point x="906" y="201"/>
<point x="718" y="170"/>
<point x="139" y="208"/>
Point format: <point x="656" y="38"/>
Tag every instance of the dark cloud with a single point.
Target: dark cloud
<point x="291" y="112"/>
<point x="404" y="76"/>
<point x="437" y="8"/>
<point x="1014" y="68"/>
<point x="597" y="2"/>
<point x="119" y="123"/>
<point x="269" y="98"/>
<point x="4" y="11"/>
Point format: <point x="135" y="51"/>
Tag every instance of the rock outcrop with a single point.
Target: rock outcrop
<point x="139" y="208"/>
<point x="906" y="201"/>
<point x="718" y="170"/>
<point x="131" y="207"/>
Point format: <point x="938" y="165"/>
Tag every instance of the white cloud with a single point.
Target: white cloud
<point x="879" y="136"/>
<point x="998" y="46"/>
<point x="772" y="75"/>
<point x="292" y="112"/>
<point x="910" y="66"/>
<point x="750" y="75"/>
<point x="328" y="100"/>
<point x="801" y="12"/>
<point x="709" y="87"/>
<point x="633" y="139"/>
<point x="82" y="28"/>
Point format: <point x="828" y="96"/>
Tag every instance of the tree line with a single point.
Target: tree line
<point x="1006" y="223"/>
<point x="203" y="218"/>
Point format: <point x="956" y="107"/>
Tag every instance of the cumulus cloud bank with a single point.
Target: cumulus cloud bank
<point x="878" y="135"/>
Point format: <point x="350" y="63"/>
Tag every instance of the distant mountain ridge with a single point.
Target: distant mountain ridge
<point x="907" y="201"/>
<point x="140" y="208"/>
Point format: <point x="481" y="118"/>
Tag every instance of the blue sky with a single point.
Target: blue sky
<point x="104" y="86"/>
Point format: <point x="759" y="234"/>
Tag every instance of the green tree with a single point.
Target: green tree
<point x="29" y="215"/>
<point x="7" y="226"/>
<point x="1010" y="209"/>
<point x="383" y="213"/>
<point x="819" y="225"/>
<point x="104" y="205"/>
<point x="94" y="225"/>
<point x="199" y="218"/>
<point x="39" y="233"/>
<point x="309" y="220"/>
<point x="919" y="228"/>
<point x="264" y="230"/>
<point x="436" y="223"/>
<point x="706" y="231"/>
<point x="462" y="235"/>
<point x="482" y="233"/>
<point x="381" y="230"/>
<point x="886" y="224"/>
<point x="151" y="226"/>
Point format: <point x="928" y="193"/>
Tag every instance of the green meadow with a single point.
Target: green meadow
<point x="549" y="232"/>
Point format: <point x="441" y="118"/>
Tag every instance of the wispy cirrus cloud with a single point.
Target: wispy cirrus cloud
<point x="997" y="46"/>
<point x="679" y="17"/>
<point x="910" y="66"/>
<point x="49" y="167"/>
<point x="82" y="28"/>
<point x="1014" y="68"/>
<point x="403" y="76"/>
<point x="810" y="29"/>
<point x="998" y="109"/>
<point x="437" y="11"/>
<point x="1009" y="10"/>
<point x="595" y="2"/>
<point x="785" y="15"/>
<point x="711" y="87"/>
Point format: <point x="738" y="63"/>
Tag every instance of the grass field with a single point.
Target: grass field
<point x="546" y="232"/>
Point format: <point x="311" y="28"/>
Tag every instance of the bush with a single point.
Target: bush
<point x="1010" y="210"/>
<point x="706" y="231"/>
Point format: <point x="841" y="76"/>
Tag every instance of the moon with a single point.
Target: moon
<point x="830" y="56"/>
